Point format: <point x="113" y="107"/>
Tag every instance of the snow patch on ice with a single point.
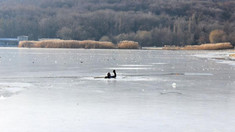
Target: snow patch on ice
<point x="173" y="85"/>
<point x="219" y="57"/>
<point x="136" y="65"/>
<point x="9" y="89"/>
<point x="159" y="63"/>
<point x="130" y="68"/>
<point x="198" y="74"/>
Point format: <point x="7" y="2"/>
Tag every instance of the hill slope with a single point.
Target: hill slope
<point x="150" y="22"/>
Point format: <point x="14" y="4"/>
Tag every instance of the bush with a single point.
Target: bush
<point x="232" y="38"/>
<point x="105" y="38"/>
<point x="217" y="36"/>
<point x="128" y="45"/>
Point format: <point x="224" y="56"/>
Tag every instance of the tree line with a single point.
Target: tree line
<point x="149" y="22"/>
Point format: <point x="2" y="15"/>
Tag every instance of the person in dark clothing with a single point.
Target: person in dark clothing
<point x="114" y="76"/>
<point x="109" y="75"/>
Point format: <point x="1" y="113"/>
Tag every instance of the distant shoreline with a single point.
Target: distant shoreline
<point x="85" y="44"/>
<point x="91" y="44"/>
<point x="152" y="48"/>
<point x="232" y="56"/>
<point x="209" y="46"/>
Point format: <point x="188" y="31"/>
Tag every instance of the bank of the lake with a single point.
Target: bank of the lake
<point x="209" y="46"/>
<point x="232" y="56"/>
<point x="86" y="44"/>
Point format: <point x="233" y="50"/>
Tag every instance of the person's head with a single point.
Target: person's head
<point x="108" y="74"/>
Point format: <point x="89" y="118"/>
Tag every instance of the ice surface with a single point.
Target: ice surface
<point x="129" y="68"/>
<point x="9" y="89"/>
<point x="198" y="74"/>
<point x="136" y="65"/>
<point x="165" y="91"/>
<point x="124" y="78"/>
<point x="219" y="57"/>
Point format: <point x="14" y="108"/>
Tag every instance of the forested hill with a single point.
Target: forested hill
<point x="150" y="22"/>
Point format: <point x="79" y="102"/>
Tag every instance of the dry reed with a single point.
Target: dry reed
<point x="216" y="46"/>
<point x="87" y="44"/>
<point x="232" y="55"/>
<point x="128" y="45"/>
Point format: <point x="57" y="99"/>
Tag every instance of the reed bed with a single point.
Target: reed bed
<point x="87" y="44"/>
<point x="232" y="56"/>
<point x="216" y="46"/>
<point x="128" y="45"/>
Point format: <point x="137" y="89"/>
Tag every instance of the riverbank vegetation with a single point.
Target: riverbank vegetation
<point x="148" y="22"/>
<point x="86" y="44"/>
<point x="128" y="45"/>
<point x="232" y="55"/>
<point x="216" y="46"/>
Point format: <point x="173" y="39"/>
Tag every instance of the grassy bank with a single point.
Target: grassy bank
<point x="216" y="46"/>
<point x="86" y="44"/>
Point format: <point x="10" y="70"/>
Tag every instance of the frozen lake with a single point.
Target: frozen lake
<point x="56" y="90"/>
